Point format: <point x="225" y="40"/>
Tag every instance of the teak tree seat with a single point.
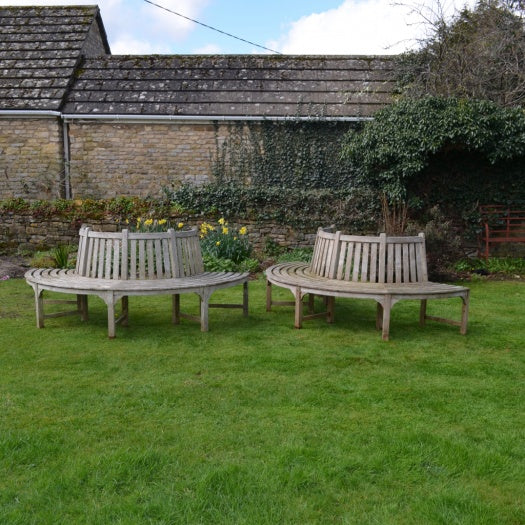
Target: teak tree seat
<point x="385" y="269"/>
<point x="116" y="265"/>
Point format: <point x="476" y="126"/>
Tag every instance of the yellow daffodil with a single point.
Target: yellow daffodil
<point x="148" y="222"/>
<point x="243" y="231"/>
<point x="221" y="221"/>
<point x="218" y="243"/>
<point x="180" y="225"/>
<point x="162" y="222"/>
<point x="225" y="230"/>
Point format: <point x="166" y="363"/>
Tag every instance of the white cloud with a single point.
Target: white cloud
<point x="358" y="27"/>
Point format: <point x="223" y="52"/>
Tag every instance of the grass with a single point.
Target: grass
<point x="257" y="423"/>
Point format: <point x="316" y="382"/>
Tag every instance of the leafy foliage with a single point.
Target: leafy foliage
<point x="397" y="146"/>
<point x="291" y="154"/>
<point x="494" y="265"/>
<point x="357" y="207"/>
<point x="84" y="209"/>
<point x="479" y="53"/>
<point x="60" y="256"/>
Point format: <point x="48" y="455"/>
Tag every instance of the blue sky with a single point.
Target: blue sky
<point x="288" y="26"/>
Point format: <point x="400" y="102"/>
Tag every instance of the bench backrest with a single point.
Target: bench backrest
<point x="380" y="259"/>
<point x="125" y="255"/>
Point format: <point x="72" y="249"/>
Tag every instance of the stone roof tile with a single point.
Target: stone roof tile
<point x="232" y="85"/>
<point x="39" y="50"/>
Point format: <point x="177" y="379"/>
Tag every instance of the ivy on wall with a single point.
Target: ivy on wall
<point x="289" y="154"/>
<point x="287" y="171"/>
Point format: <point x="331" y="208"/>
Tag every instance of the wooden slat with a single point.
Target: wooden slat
<point x="151" y="261"/>
<point x="190" y="263"/>
<point x="116" y="258"/>
<point x="341" y="263"/>
<point x="364" y="264"/>
<point x="421" y="261"/>
<point x="142" y="259"/>
<point x="390" y="263"/>
<point x="357" y="261"/>
<point x="413" y="273"/>
<point x="334" y="258"/>
<point x="406" y="264"/>
<point x="158" y="258"/>
<point x="349" y="259"/>
<point x="373" y="262"/>
<point x="175" y="268"/>
<point x="93" y="272"/>
<point x="133" y="259"/>
<point x="124" y="259"/>
<point x="87" y="261"/>
<point x="81" y="253"/>
<point x="179" y="261"/>
<point x="109" y="257"/>
<point x="382" y="258"/>
<point x="398" y="263"/>
<point x="166" y="258"/>
<point x="101" y="252"/>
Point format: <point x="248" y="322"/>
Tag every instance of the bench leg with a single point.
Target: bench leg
<point x="205" y="300"/>
<point x="110" y="303"/>
<point x="245" y="299"/>
<point x="268" y="296"/>
<point x="387" y="306"/>
<point x="298" y="308"/>
<point x="175" y="313"/>
<point x="423" y="312"/>
<point x="82" y="301"/>
<point x="330" y="309"/>
<point x="464" y="313"/>
<point x="39" y="306"/>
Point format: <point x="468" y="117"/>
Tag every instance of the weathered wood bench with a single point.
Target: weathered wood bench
<point x="116" y="265"/>
<point x="500" y="225"/>
<point x="385" y="269"/>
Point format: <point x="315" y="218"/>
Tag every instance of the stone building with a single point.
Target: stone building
<point x="77" y="122"/>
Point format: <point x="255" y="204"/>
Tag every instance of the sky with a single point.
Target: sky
<point x="353" y="27"/>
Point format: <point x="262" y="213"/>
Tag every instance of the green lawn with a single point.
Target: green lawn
<point x="258" y="423"/>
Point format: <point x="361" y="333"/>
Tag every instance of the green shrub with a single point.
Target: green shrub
<point x="60" y="256"/>
<point x="394" y="149"/>
<point x="297" y="254"/>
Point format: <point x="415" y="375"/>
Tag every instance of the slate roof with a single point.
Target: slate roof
<point x="58" y="58"/>
<point x="232" y="85"/>
<point x="40" y="47"/>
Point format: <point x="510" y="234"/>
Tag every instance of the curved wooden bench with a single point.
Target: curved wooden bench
<point x="115" y="265"/>
<point x="385" y="269"/>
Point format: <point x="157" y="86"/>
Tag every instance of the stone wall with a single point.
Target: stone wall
<point x="135" y="159"/>
<point x="31" y="164"/>
<point x="22" y="232"/>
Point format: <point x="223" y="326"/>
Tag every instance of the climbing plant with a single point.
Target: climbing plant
<point x="285" y="154"/>
<point x="395" y="149"/>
